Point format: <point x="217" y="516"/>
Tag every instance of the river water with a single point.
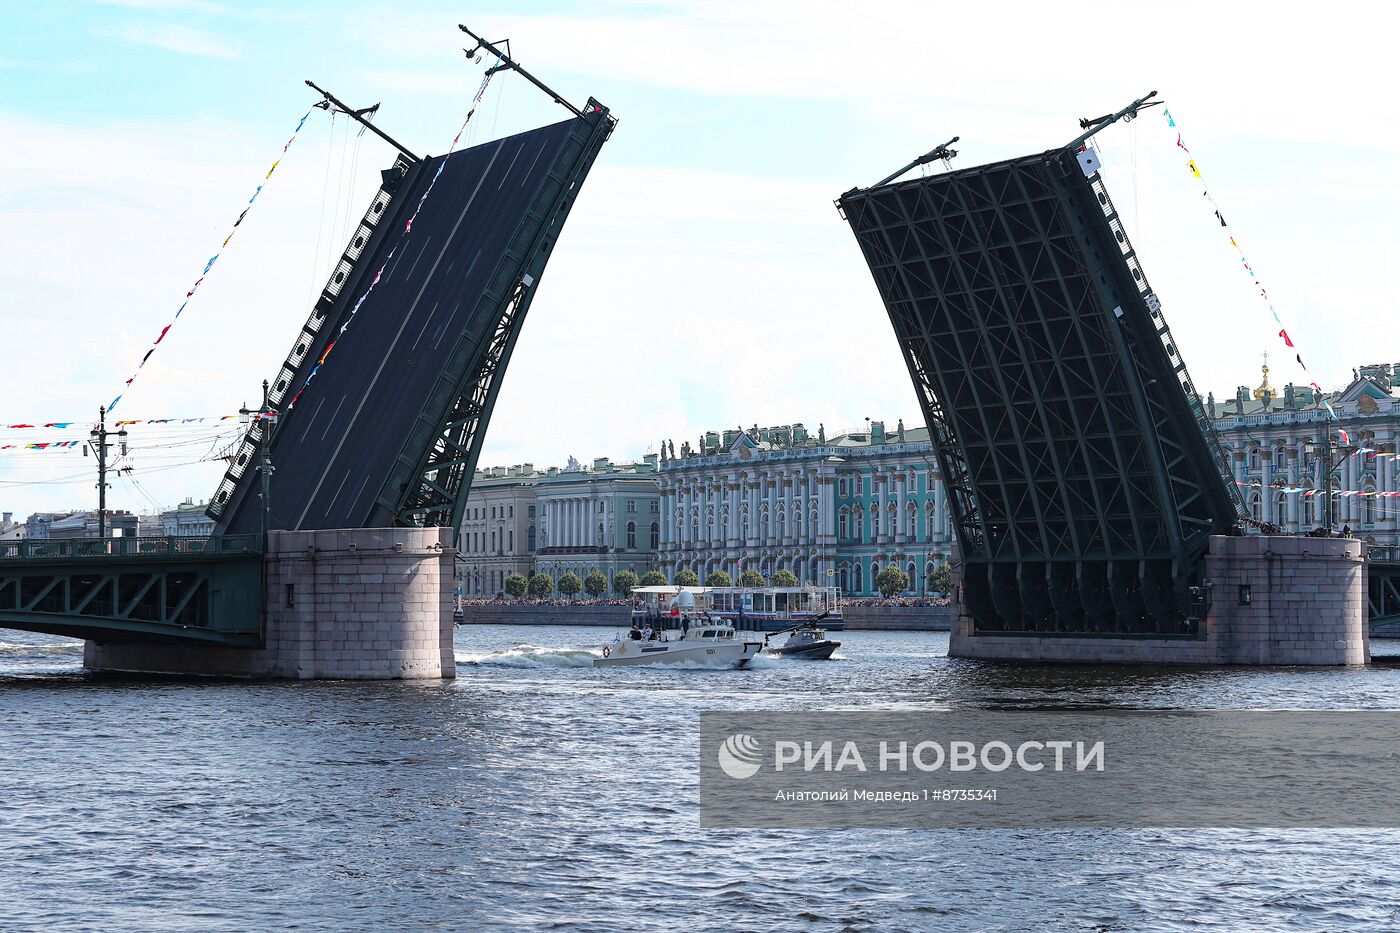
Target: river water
<point x="538" y="792"/>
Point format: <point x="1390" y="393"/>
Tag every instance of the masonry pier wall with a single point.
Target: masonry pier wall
<point x="1274" y="600"/>
<point x="354" y="604"/>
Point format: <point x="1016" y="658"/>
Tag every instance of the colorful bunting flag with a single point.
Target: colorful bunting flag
<point x="1263" y="292"/>
<point x="112" y="406"/>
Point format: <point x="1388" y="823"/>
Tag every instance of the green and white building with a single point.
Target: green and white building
<point x="833" y="511"/>
<point x="605" y="517"/>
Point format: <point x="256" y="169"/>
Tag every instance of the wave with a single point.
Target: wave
<point x="530" y="656"/>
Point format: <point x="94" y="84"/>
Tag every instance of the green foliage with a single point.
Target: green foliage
<point x="784" y="578"/>
<point x="719" y="578"/>
<point x="516" y="584"/>
<point x="892" y="580"/>
<point x="570" y="584"/>
<point x="652" y="578"/>
<point x="596" y="583"/>
<point x="940" y="579"/>
<point x="751" y="578"/>
<point x="541" y="585"/>
<point x="623" y="581"/>
<point x="687" y="578"/>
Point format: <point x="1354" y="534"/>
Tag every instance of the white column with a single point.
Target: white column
<point x="1292" y="479"/>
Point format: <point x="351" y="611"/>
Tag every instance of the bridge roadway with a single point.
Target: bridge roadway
<point x="172" y="589"/>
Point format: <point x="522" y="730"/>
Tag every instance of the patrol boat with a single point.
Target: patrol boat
<point x="805" y="641"/>
<point x="684" y="636"/>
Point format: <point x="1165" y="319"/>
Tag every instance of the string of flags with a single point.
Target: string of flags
<point x="48" y="445"/>
<point x="81" y="425"/>
<point x="212" y="259"/>
<point x="59" y="425"/>
<point x="1195" y="170"/>
<point x="407" y="230"/>
<point x="1309" y="492"/>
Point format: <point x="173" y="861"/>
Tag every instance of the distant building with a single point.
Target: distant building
<point x="830" y="510"/>
<point x="498" y="533"/>
<point x="187" y="520"/>
<point x="54" y="525"/>
<point x="606" y="517"/>
<point x="10" y="530"/>
<point x="1272" y="440"/>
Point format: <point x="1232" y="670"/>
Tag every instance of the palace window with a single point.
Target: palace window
<point x="655" y="536"/>
<point x="530" y="539"/>
<point x="631" y="505"/>
<point x="842" y="484"/>
<point x="632" y="536"/>
<point x="843" y="525"/>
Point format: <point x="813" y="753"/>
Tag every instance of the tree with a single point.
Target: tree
<point x="718" y="578"/>
<point x="892" y="580"/>
<point x="653" y="578"/>
<point x="687" y="578"/>
<point x="541" y="585"/>
<point x="784" y="578"/>
<point x="596" y="583"/>
<point x="623" y="581"/>
<point x="570" y="584"/>
<point x="516" y="584"/>
<point x="940" y="579"/>
<point x="750" y="578"/>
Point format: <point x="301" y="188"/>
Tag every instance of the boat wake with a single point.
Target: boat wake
<point x="529" y="656"/>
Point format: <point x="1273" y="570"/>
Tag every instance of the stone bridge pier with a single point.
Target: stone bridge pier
<point x="355" y="604"/>
<point x="1274" y="600"/>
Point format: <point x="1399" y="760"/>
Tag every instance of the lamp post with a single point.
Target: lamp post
<point x="99" y="445"/>
<point x="268" y="416"/>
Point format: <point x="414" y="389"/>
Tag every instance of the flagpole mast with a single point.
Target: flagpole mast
<point x="358" y="117"/>
<point x="507" y="64"/>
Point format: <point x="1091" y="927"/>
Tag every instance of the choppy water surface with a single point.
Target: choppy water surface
<point x="536" y="791"/>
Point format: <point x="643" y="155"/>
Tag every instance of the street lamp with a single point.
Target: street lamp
<point x="99" y="445"/>
<point x="268" y="415"/>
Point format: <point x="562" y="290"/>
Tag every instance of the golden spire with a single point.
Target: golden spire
<point x="1264" y="386"/>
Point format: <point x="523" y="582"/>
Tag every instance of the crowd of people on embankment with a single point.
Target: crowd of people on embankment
<point x="895" y="601"/>
<point x="502" y="599"/>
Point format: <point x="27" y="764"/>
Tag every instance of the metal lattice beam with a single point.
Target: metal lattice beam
<point x="1083" y="477"/>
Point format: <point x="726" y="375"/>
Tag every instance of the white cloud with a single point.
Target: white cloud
<point x="175" y="38"/>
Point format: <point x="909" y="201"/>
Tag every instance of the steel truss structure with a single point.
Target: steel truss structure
<point x="1084" y="477"/>
<point x="136" y="589"/>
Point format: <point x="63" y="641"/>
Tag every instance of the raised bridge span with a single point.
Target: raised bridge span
<point x="397" y="366"/>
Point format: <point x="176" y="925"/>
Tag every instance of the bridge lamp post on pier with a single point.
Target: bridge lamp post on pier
<point x="268" y="416"/>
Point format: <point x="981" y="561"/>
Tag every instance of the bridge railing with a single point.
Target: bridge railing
<point x="158" y="546"/>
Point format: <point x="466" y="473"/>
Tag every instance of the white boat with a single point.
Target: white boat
<point x="685" y="636"/>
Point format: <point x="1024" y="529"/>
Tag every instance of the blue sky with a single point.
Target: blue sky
<point x="704" y="279"/>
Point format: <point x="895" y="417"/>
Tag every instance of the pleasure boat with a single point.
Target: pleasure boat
<point x="680" y="637"/>
<point x="749" y="608"/>
<point x="806" y="641"/>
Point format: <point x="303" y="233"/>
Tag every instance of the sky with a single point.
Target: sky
<point x="704" y="279"/>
